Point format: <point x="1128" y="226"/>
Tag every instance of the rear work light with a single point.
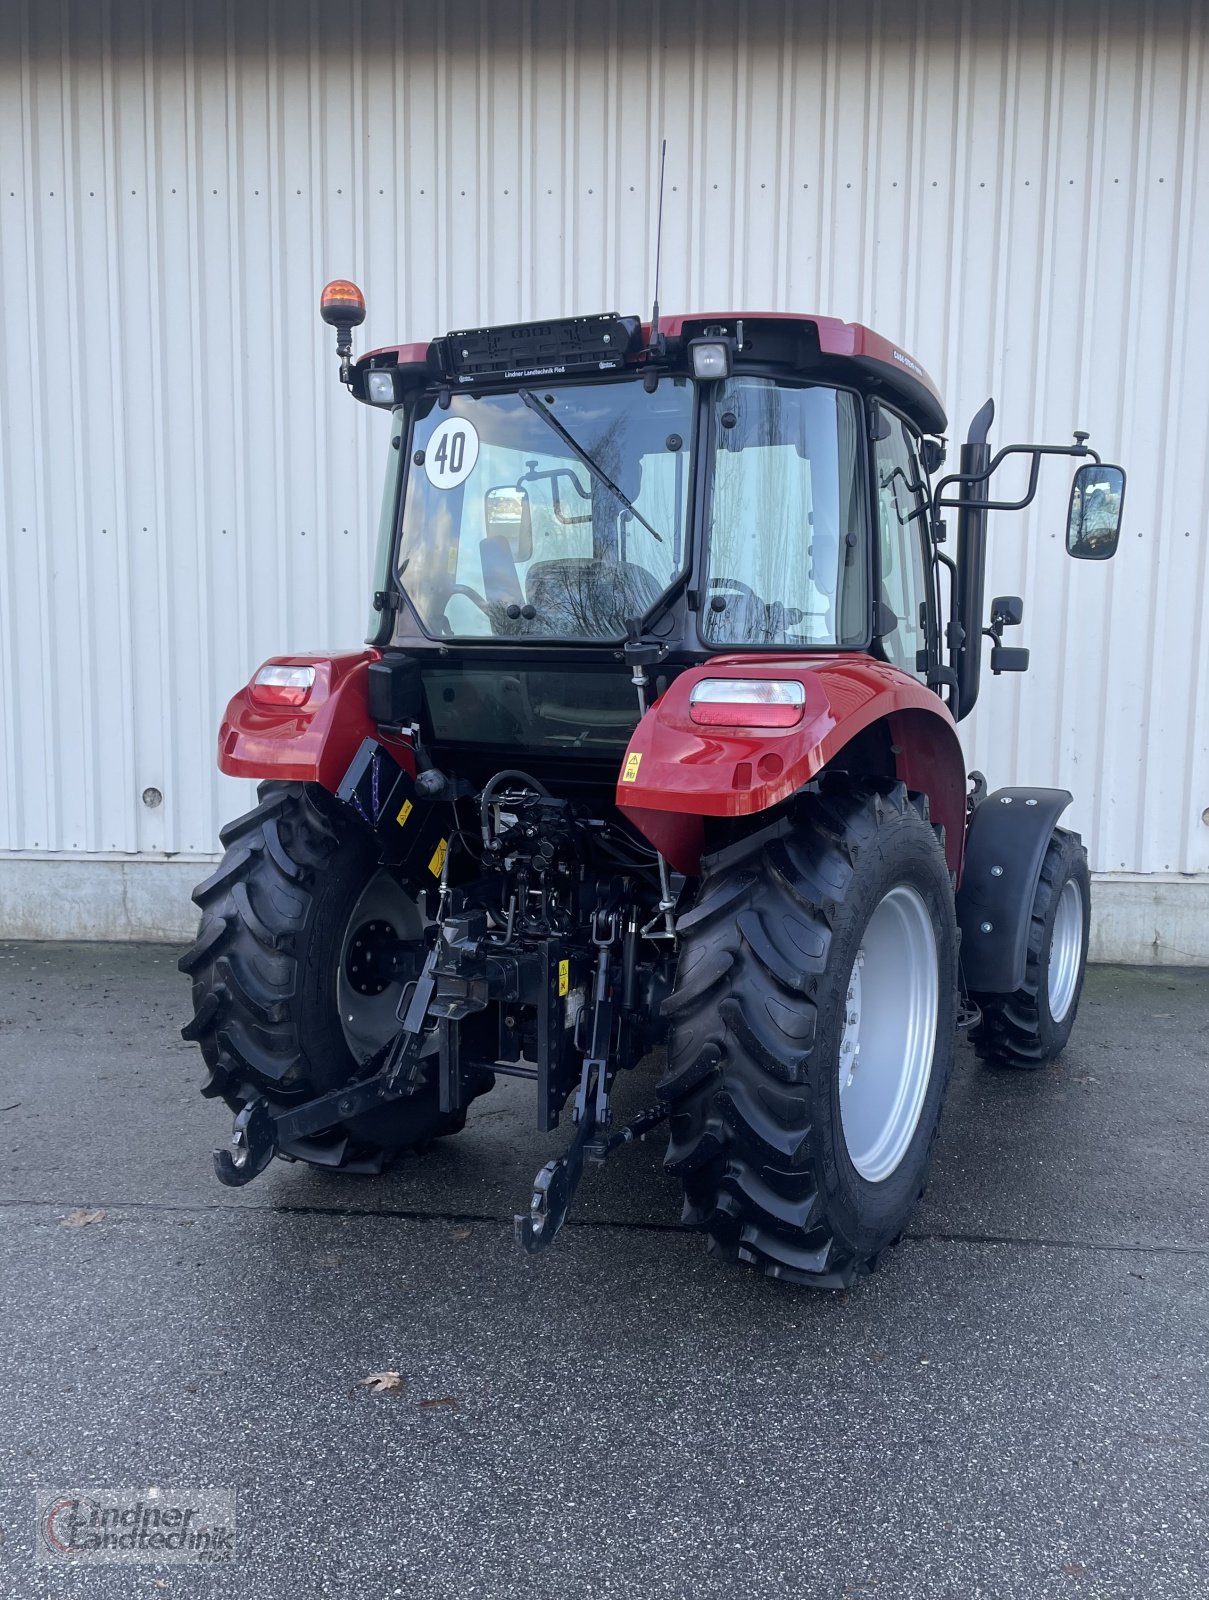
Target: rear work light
<point x="380" y="387"/>
<point x="283" y="686"/>
<point x="747" y="702"/>
<point x="711" y="358"/>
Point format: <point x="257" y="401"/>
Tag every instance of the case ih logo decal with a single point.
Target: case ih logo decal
<point x="906" y="361"/>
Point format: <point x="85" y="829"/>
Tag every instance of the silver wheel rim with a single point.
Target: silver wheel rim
<point x="889" y="1036"/>
<point x="368" y="1020"/>
<point x="1065" y="950"/>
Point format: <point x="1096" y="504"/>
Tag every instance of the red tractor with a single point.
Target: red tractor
<point x="652" y="745"/>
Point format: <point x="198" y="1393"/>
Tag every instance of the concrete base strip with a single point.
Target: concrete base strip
<point x="1137" y="918"/>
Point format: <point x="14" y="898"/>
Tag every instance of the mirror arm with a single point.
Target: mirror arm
<point x="964" y="501"/>
<point x="1036" y="451"/>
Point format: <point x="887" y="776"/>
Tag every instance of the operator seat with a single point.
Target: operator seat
<point x="501" y="582"/>
<point x="581" y="598"/>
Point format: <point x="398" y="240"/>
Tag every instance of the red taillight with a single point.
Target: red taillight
<point x="747" y="702"/>
<point x="282" y="686"/>
<point x="745" y="716"/>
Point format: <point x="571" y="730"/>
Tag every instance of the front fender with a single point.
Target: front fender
<point x="677" y="772"/>
<point x="1009" y="834"/>
<point x="311" y="743"/>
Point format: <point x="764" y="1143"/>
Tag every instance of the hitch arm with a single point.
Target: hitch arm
<point x="555" y="1185"/>
<point x="252" y="1145"/>
<point x="258" y="1135"/>
<point x="554" y="1188"/>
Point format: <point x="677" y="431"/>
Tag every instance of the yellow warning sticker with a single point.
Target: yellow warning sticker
<point x="405" y="811"/>
<point x="438" y="858"/>
<point x="632" y="763"/>
<point x="564" y="978"/>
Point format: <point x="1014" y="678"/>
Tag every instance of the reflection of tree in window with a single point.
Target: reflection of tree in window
<point x="904" y="583"/>
<point x="775" y="524"/>
<point x="581" y="532"/>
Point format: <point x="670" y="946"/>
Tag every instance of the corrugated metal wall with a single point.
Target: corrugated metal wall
<point x="1019" y="194"/>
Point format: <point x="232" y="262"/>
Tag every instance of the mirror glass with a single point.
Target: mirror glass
<point x="1093" y="523"/>
<point x="507" y="515"/>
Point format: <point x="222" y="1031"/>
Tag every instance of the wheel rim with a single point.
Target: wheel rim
<point x="368" y="1019"/>
<point x="889" y="1037"/>
<point x="1065" y="950"/>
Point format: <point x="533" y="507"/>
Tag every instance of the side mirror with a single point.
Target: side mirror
<point x="1093" y="522"/>
<point x="507" y="515"/>
<point x="1007" y="611"/>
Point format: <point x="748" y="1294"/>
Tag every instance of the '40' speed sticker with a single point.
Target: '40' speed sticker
<point x="451" y="453"/>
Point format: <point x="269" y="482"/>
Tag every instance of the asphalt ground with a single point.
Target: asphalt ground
<point x="1016" y="1404"/>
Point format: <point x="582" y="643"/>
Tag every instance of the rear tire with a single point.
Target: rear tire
<point x="1031" y="1026"/>
<point x="774" y="1168"/>
<point x="272" y="965"/>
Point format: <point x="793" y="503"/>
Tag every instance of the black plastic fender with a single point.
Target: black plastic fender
<point x="1005" y="846"/>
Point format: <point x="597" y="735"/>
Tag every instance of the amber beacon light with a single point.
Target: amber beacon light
<point x="342" y="306"/>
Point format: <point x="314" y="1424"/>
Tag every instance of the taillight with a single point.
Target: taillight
<point x="747" y="702"/>
<point x="282" y="686"/>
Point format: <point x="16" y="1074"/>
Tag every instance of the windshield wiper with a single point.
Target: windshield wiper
<point x="597" y="472"/>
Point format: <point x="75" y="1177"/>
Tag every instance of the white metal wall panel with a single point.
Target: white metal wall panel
<point x="1017" y="193"/>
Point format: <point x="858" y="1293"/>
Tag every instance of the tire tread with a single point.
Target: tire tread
<point x="250" y="959"/>
<point x="744" y="1018"/>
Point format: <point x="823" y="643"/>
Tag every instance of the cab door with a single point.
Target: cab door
<point x="905" y="610"/>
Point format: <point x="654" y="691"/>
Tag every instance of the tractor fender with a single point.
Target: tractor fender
<point x="313" y="742"/>
<point x="677" y="772"/>
<point x="1006" y="842"/>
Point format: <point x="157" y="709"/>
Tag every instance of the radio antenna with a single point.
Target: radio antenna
<point x="656" y="343"/>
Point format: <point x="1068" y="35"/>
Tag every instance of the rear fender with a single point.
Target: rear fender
<point x="677" y="772"/>
<point x="313" y="742"/>
<point x="1009" y="834"/>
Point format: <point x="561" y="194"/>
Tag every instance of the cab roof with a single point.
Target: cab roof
<point x="826" y="347"/>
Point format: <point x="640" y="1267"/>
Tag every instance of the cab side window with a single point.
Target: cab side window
<point x="901" y="520"/>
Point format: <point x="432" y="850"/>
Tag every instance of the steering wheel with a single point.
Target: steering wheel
<point x="758" y="621"/>
<point x="465" y="590"/>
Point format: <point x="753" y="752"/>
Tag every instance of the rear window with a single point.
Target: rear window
<point x="529" y="708"/>
<point x="786" y="555"/>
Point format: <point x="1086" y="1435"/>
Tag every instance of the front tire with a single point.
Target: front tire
<point x="1031" y="1026"/>
<point x="285" y="1007"/>
<point x="829" y="937"/>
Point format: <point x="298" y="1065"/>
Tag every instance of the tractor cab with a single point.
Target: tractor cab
<point x="558" y="491"/>
<point x="562" y="511"/>
<point x="722" y="484"/>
